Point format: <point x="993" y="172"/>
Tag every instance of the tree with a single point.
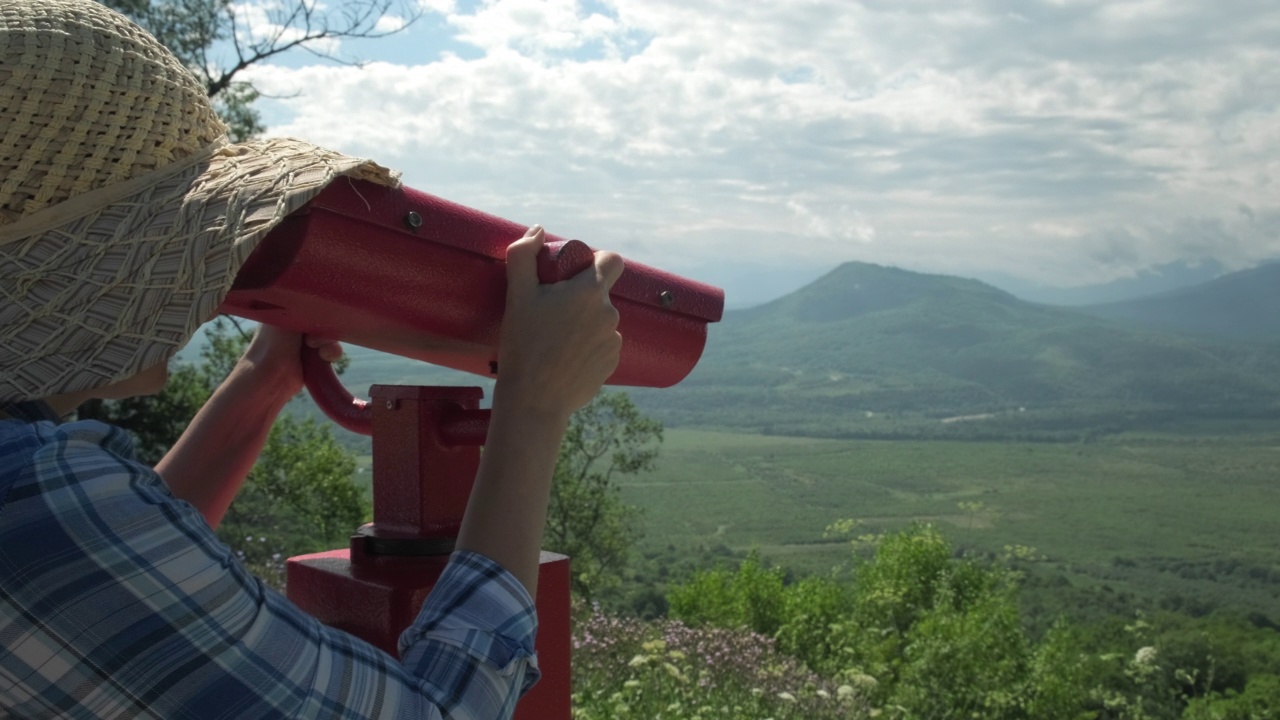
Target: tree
<point x="299" y="498"/>
<point x="920" y="633"/>
<point x="1260" y="699"/>
<point x="218" y="39"/>
<point x="587" y="519"/>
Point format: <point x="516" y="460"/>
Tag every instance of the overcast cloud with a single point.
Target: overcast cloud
<point x="1056" y="141"/>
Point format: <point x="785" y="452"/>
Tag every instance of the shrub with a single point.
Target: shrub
<point x="626" y="668"/>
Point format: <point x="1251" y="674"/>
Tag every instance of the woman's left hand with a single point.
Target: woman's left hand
<point x="275" y="356"/>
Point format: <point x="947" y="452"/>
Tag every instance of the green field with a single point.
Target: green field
<point x="1150" y="516"/>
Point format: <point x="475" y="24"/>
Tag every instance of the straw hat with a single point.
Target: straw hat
<point x="125" y="212"/>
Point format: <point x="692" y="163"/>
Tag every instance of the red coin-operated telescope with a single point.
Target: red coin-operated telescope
<point x="408" y="273"/>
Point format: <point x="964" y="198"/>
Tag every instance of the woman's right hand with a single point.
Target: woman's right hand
<point x="560" y="341"/>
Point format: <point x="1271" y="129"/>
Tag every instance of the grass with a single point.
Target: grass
<point x="1152" y="516"/>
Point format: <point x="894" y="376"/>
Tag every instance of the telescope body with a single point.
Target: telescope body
<point x="404" y="272"/>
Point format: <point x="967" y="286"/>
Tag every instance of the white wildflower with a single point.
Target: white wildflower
<point x="1145" y="656"/>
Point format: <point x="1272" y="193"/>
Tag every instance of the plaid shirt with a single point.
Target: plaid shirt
<point x="117" y="601"/>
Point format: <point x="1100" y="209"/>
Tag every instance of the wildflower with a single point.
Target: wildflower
<point x="654" y="646"/>
<point x="863" y="681"/>
<point x="1145" y="656"/>
<point x="844" y="692"/>
<point x="638" y="661"/>
<point x="786" y="697"/>
<point x="630" y="684"/>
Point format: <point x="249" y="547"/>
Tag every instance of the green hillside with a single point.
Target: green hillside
<point x="872" y="351"/>
<point x="1241" y="306"/>
<point x="875" y="352"/>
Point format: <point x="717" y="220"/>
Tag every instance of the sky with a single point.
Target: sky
<point x="756" y="145"/>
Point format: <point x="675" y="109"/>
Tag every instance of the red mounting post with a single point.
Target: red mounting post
<point x="426" y="449"/>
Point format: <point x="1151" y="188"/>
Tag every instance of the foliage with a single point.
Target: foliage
<point x="1169" y="665"/>
<point x="753" y="597"/>
<point x="587" y="519"/>
<point x="235" y="106"/>
<point x="1260" y="700"/>
<point x="626" y="668"/>
<point x="298" y="498"/>
<point x="923" y="633"/>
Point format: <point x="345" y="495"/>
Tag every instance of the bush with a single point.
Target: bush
<point x="1259" y="701"/>
<point x="627" y="668"/>
<point x="919" y="633"/>
<point x="753" y="597"/>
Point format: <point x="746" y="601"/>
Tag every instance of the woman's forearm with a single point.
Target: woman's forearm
<point x="507" y="510"/>
<point x="209" y="463"/>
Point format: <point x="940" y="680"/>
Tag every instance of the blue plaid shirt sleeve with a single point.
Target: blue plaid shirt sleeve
<point x="117" y="601"/>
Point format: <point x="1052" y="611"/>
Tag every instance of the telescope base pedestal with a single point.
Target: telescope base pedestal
<point x="377" y="598"/>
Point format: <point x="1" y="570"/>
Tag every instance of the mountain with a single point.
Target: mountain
<point x="1149" y="281"/>
<point x="876" y="351"/>
<point x="1242" y="305"/>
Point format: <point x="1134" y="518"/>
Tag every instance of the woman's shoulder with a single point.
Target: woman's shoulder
<point x="17" y="435"/>
<point x="44" y="454"/>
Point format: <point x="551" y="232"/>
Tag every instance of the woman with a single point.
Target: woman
<point x="125" y="214"/>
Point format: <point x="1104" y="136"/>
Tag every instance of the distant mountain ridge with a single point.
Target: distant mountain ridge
<point x="1243" y="305"/>
<point x="1146" y="282"/>
<point x="866" y="349"/>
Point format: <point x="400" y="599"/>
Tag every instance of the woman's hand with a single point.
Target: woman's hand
<point x="559" y="342"/>
<point x="274" y="357"/>
<point x="209" y="463"/>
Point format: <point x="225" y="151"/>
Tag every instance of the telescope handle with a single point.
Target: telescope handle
<point x="332" y="396"/>
<point x="562" y="260"/>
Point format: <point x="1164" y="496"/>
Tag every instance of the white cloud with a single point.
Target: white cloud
<point x="389" y="24"/>
<point x="1066" y="142"/>
<point x="443" y="7"/>
<point x="534" y="26"/>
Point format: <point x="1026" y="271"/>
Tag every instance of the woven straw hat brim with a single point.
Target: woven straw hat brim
<point x="109" y="291"/>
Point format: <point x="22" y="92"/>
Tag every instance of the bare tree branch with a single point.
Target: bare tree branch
<point x="195" y="30"/>
<point x="353" y="20"/>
